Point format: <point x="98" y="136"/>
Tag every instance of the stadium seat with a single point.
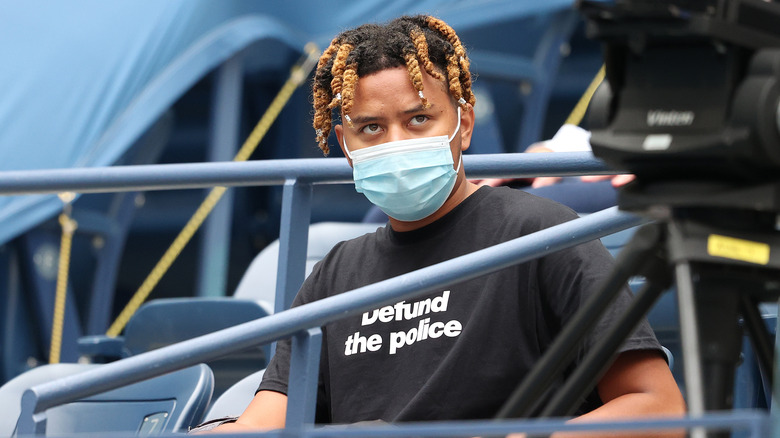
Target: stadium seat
<point x="163" y="322"/>
<point x="11" y="392"/>
<point x="259" y="280"/>
<point x="169" y="403"/>
<point x="235" y="399"/>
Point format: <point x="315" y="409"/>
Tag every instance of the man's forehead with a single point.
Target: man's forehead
<point x="395" y="84"/>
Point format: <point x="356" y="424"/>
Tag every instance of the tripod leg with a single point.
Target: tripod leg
<point x="720" y="336"/>
<point x="689" y="335"/>
<point x="711" y="313"/>
<point x="598" y="360"/>
<point x="759" y="335"/>
<point x="529" y="394"/>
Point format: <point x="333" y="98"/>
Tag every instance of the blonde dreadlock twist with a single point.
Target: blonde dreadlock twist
<point x="417" y="43"/>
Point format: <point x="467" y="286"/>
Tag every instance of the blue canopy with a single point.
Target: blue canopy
<point x="82" y="80"/>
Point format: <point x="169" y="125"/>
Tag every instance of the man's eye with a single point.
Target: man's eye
<point x="371" y="129"/>
<point x="418" y="120"/>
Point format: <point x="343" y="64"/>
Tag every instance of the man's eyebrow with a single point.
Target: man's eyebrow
<point x="365" y="119"/>
<point x="418" y="108"/>
<point x="371" y="119"/>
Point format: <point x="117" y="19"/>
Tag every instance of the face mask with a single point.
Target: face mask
<point x="408" y="179"/>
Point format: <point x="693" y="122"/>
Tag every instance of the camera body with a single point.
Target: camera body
<point x="692" y="89"/>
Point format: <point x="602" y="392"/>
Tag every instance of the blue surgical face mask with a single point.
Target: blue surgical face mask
<point x="408" y="179"/>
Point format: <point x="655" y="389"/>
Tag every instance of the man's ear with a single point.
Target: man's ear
<point x="339" y="130"/>
<point x="466" y="126"/>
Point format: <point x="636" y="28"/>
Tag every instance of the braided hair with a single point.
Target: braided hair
<point x="418" y="43"/>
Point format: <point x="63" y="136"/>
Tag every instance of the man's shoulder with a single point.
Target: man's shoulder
<point x="362" y="241"/>
<point x="344" y="257"/>
<point x="347" y="252"/>
<point x="515" y="203"/>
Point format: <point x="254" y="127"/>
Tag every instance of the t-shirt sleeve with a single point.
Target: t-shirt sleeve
<point x="277" y="373"/>
<point x="568" y="278"/>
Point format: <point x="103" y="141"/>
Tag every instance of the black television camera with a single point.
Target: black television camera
<point x="691" y="106"/>
<point x="692" y="89"/>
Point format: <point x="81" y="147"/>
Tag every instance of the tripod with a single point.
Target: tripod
<point x="719" y="244"/>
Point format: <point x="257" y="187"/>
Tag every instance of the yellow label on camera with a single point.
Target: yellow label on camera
<point x="738" y="249"/>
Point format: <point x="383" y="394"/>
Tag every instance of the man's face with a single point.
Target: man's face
<point x="387" y="108"/>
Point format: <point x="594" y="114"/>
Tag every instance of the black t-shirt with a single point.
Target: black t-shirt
<point x="457" y="353"/>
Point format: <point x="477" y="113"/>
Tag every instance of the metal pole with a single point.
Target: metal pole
<point x="293" y="241"/>
<point x="211" y="277"/>
<point x="689" y="335"/>
<point x="305" y="366"/>
<point x="272" y="172"/>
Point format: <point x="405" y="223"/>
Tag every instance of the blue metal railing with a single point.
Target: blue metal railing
<point x="302" y="323"/>
<point x="753" y="424"/>
<point x="297" y="176"/>
<point x="271" y="172"/>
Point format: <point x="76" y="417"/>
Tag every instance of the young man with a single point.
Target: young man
<point x="404" y="94"/>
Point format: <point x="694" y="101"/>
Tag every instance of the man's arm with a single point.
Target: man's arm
<point x="266" y="411"/>
<point x="638" y="384"/>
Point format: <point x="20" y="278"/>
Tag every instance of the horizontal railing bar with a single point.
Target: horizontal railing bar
<point x="271" y="172"/>
<point x="741" y="420"/>
<point x="284" y="324"/>
<point x="537" y="427"/>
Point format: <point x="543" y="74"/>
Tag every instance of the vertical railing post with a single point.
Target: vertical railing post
<point x="223" y="142"/>
<point x="293" y="241"/>
<point x="102" y="296"/>
<point x="31" y="422"/>
<point x="304" y="377"/>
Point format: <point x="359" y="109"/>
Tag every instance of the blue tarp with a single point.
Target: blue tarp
<point x="81" y="80"/>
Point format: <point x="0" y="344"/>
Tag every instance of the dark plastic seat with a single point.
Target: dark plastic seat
<point x="11" y="392"/>
<point x="163" y="322"/>
<point x="164" y="404"/>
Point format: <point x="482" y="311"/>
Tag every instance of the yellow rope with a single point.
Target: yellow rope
<point x="298" y="75"/>
<point x="579" y="110"/>
<point x="60" y="297"/>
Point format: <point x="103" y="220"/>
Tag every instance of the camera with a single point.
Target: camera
<point x="692" y="89"/>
